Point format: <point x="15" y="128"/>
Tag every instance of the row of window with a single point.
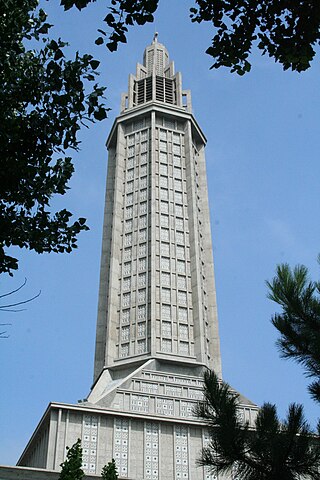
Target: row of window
<point x="169" y="123"/>
<point x="177" y="222"/>
<point x="176" y="149"/>
<point x="138" y="124"/>
<point x="165" y="279"/>
<point x="165" y="235"/>
<point x="166" y="331"/>
<point x="128" y="297"/>
<point x="142" y="281"/>
<point x="142" y="314"/>
<point x="177" y="184"/>
<point x="175" y="171"/>
<point x="165" y="262"/>
<point x="165" y="313"/>
<point x="174" y="160"/>
<point x="164" y="135"/>
<point x="140" y="348"/>
<point x="141" y="331"/>
<point x="138" y="137"/>
<point x="164" y="206"/>
<point x="142" y="262"/>
<point x="143" y="170"/>
<point x="133" y="149"/>
<point x="166" y="346"/>
<point x="134" y="161"/>
<point x="142" y="234"/>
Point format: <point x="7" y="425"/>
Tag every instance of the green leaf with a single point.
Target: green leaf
<point x="100" y="114"/>
<point x="99" y="41"/>
<point x="94" y="64"/>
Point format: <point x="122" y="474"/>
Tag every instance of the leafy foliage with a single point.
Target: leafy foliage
<point x="43" y="103"/>
<point x="299" y="321"/>
<point x="286" y="31"/>
<point x="71" y="467"/>
<point x="121" y="14"/>
<point x="109" y="472"/>
<point x="267" y="450"/>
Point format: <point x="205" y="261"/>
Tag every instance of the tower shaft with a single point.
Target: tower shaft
<point x="157" y="294"/>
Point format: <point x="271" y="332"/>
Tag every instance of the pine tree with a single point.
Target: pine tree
<point x="267" y="450"/>
<point x="109" y="472"/>
<point x="71" y="467"/>
<point x="299" y="321"/>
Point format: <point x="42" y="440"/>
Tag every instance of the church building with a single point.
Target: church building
<point x="157" y="328"/>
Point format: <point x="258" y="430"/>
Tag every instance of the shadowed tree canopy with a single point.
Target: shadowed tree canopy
<point x="288" y="31"/>
<point x="71" y="468"/>
<point x="44" y="100"/>
<point x="267" y="450"/>
<point x="299" y="321"/>
<point x="109" y="472"/>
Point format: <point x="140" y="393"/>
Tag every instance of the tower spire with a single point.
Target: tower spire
<point x="155" y="80"/>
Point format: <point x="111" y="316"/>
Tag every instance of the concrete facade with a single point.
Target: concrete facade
<point x="157" y="327"/>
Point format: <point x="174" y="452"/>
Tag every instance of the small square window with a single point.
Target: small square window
<point x="164" y="194"/>
<point x="166" y="295"/>
<point x="164" y="207"/>
<point x="142" y="264"/>
<point x="143" y="170"/>
<point x="177" y="173"/>
<point x="129" y="198"/>
<point x="130" y="186"/>
<point x="163" y="169"/>
<point x="143" y="182"/>
<point x="165" y="263"/>
<point x="144" y="146"/>
<point x="131" y="151"/>
<point x="143" y="158"/>
<point x="176" y="161"/>
<point x="163" y="135"/>
<point x="165" y="249"/>
<point x="163" y="181"/>
<point x="177" y="184"/>
<point x="166" y="312"/>
<point x="163" y="157"/>
<point x="130" y="174"/>
<point x="164" y="220"/>
<point x="143" y="135"/>
<point x="163" y="146"/>
<point x="130" y="139"/>
<point x="164" y="234"/>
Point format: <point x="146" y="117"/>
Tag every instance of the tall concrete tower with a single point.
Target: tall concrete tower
<point x="157" y="328"/>
<point x="157" y="294"/>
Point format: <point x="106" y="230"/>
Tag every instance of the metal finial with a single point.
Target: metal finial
<point x="155" y="37"/>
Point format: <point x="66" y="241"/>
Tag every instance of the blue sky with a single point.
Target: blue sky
<point x="263" y="177"/>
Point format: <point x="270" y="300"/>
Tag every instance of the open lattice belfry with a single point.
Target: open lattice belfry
<point x="157" y="326"/>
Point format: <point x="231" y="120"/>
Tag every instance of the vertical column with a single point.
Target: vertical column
<point x="181" y="452"/>
<point x="89" y="443"/>
<point x="151" y="451"/>
<point x="152" y="209"/>
<point x="121" y="445"/>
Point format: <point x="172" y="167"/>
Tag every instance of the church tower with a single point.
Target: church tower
<point x="157" y="294"/>
<point x="157" y="327"/>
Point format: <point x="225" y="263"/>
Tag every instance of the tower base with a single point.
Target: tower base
<point x="142" y="417"/>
